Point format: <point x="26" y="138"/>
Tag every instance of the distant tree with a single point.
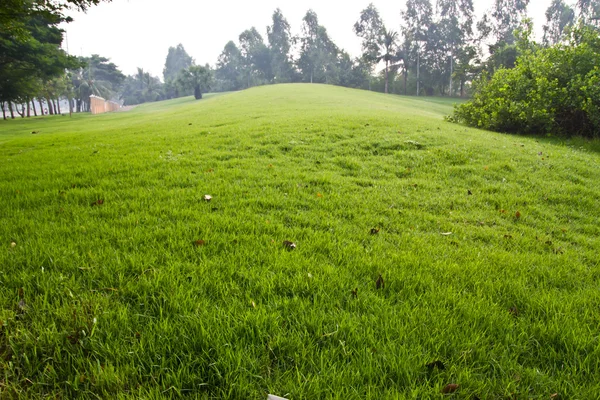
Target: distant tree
<point x="196" y="77"/>
<point x="279" y="37"/>
<point x="142" y="88"/>
<point x="417" y="20"/>
<point x="230" y="68"/>
<point x="589" y="12"/>
<point x="177" y="59"/>
<point x="370" y="29"/>
<point x="559" y="16"/>
<point x="318" y="53"/>
<point x="456" y="29"/>
<point x="507" y="16"/>
<point x="255" y="57"/>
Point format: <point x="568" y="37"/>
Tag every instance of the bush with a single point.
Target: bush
<point x="554" y="90"/>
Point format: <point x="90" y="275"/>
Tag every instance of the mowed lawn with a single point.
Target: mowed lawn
<point x="119" y="280"/>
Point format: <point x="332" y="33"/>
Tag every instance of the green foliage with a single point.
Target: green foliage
<point x="550" y="91"/>
<point x="196" y="78"/>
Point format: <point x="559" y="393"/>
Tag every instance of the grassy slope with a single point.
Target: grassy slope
<point x="119" y="301"/>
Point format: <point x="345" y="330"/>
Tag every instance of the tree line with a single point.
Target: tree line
<point x="439" y="49"/>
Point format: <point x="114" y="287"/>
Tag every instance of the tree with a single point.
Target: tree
<point x="559" y="16"/>
<point x="229" y="68"/>
<point x="141" y="88"/>
<point x="255" y="57"/>
<point x="456" y="27"/>
<point x="417" y="22"/>
<point x="30" y="40"/>
<point x="177" y="59"/>
<point x="279" y="37"/>
<point x="318" y="53"/>
<point x="370" y="29"/>
<point x="507" y="16"/>
<point x="589" y="12"/>
<point x="197" y="78"/>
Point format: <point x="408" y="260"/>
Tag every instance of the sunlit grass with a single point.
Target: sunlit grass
<point x="120" y="300"/>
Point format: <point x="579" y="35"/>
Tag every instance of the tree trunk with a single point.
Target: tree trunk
<point x="405" y="79"/>
<point x="28" y="109"/>
<point x="197" y="92"/>
<point x="41" y="106"/>
<point x="22" y="112"/>
<point x="33" y="106"/>
<point x="462" y="87"/>
<point x="3" y="110"/>
<point x="10" y="107"/>
<point x="58" y="104"/>
<point x="386" y="76"/>
<point x="50" y="110"/>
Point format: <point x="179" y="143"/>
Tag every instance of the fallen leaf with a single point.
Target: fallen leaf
<point x="207" y="197"/>
<point x="21" y="293"/>
<point x="380" y="283"/>
<point x="514" y="311"/>
<point x="22" y="305"/>
<point x="518" y="215"/>
<point x="486" y="168"/>
<point x="374" y="231"/>
<point x="289" y="245"/>
<point x="507" y="236"/>
<point x="355" y="292"/>
<point x="436" y="364"/>
<point x="446" y="233"/>
<point x="319" y="195"/>
<point x="450" y="388"/>
<point x="13" y="244"/>
<point x="253" y="304"/>
<point x="503" y="211"/>
<point x="98" y="202"/>
<point x="138" y="335"/>
<point x="554" y="395"/>
<point x="199" y="243"/>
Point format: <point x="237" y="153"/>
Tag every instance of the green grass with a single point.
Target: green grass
<point x="118" y="301"/>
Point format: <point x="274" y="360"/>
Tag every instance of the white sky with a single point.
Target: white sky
<point x="138" y="33"/>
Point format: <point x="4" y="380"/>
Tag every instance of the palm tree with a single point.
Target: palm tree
<point x="388" y="51"/>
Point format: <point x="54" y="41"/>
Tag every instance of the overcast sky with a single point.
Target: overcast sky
<point x="138" y="33"/>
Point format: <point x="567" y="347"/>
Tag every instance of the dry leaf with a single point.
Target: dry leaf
<point x="450" y="388"/>
<point x="518" y="215"/>
<point x="319" y="195"/>
<point x="98" y="202"/>
<point x="374" y="231"/>
<point x="503" y="211"/>
<point x="199" y="243"/>
<point x="446" y="233"/>
<point x="486" y="167"/>
<point x="514" y="311"/>
<point x="13" y="244"/>
<point x="380" y="283"/>
<point x="207" y="197"/>
<point x="21" y="293"/>
<point x="253" y="304"/>
<point x="436" y="364"/>
<point x="289" y="245"/>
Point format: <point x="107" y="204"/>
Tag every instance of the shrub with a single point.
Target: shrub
<point x="554" y="90"/>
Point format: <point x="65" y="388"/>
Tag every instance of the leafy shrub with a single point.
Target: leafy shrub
<point x="554" y="90"/>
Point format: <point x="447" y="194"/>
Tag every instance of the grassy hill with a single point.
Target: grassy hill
<point x="426" y="253"/>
